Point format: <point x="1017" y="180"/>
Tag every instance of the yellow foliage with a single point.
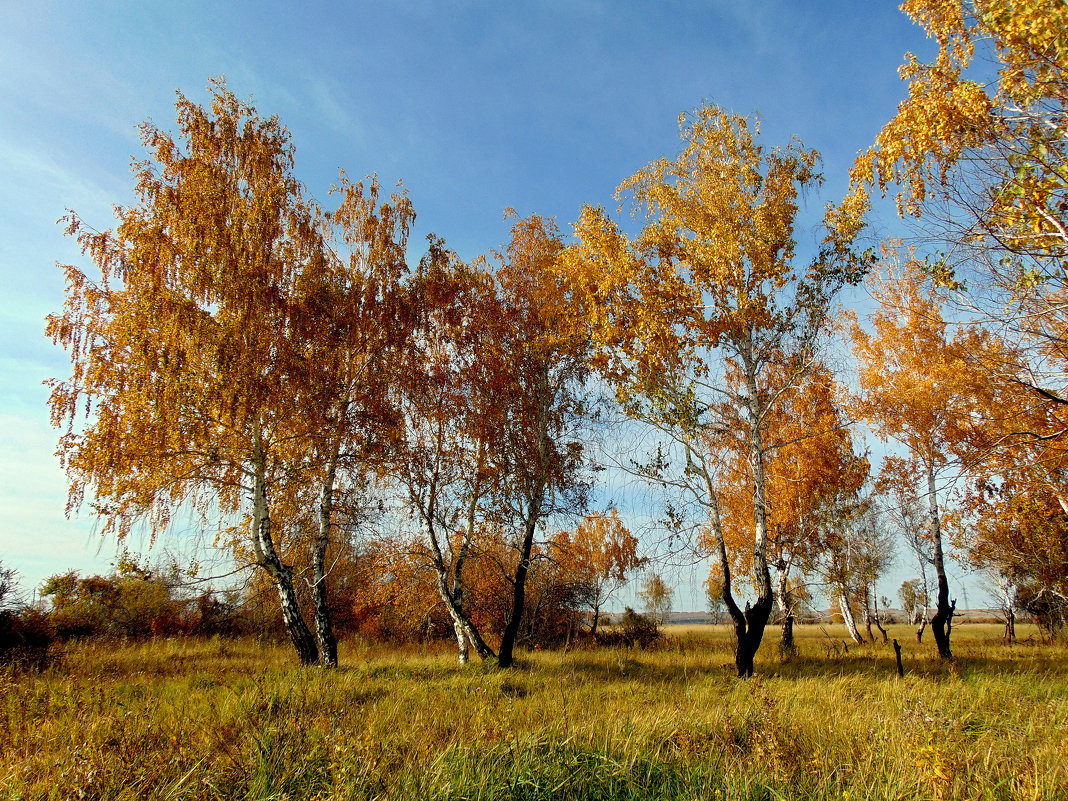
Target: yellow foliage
<point x="992" y="145"/>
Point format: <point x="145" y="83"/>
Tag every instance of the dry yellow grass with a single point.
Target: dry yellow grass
<point x="204" y="720"/>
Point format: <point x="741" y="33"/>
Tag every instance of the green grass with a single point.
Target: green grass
<point x="184" y="719"/>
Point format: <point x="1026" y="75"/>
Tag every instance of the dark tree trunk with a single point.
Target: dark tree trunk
<point x="749" y="631"/>
<point x="942" y="627"/>
<point x="537" y="486"/>
<point x="1010" y="626"/>
<point x="878" y="618"/>
<point x="942" y="622"/>
<point x="519" y="586"/>
<point x="324" y="624"/>
<point x="786" y="640"/>
<point x="748" y="625"/>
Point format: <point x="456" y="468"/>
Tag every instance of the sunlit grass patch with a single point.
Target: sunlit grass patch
<point x="185" y="719"/>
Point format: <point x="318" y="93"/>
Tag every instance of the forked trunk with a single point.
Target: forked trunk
<point x="467" y="635"/>
<point x="451" y="588"/>
<point x="1010" y="626"/>
<point x="878" y="619"/>
<point x="461" y="621"/>
<point x="748" y="625"/>
<point x="749" y="631"/>
<point x="942" y="622"/>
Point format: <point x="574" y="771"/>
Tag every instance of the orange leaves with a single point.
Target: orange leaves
<point x="918" y="384"/>
<point x="813" y="476"/>
<point x="202" y="339"/>
<point x="600" y="551"/>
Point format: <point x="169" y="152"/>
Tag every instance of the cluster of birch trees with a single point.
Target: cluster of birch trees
<point x="281" y="369"/>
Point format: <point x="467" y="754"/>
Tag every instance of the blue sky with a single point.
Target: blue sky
<point x="477" y="106"/>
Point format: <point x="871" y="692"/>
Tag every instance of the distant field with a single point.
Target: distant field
<point x="182" y="719"/>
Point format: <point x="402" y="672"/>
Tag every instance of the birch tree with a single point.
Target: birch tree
<point x="539" y="457"/>
<point x="919" y="385"/>
<point x="189" y="388"/>
<point x="690" y="314"/>
<point x="977" y="155"/>
<point x="449" y="404"/>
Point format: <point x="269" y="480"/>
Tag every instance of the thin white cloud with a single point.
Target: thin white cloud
<point x="37" y="183"/>
<point x="333" y="109"/>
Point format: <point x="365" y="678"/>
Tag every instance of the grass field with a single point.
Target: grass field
<point x="187" y="719"/>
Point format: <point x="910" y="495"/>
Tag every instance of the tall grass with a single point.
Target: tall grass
<point x="185" y="719"/>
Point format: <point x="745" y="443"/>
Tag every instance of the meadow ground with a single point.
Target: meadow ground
<point x="194" y="719"/>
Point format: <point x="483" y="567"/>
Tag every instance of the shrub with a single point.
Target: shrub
<point x="1047" y="609"/>
<point x="25" y="635"/>
<point x="25" y="638"/>
<point x="634" y="630"/>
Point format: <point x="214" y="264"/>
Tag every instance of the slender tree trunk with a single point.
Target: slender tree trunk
<point x="596" y="619"/>
<point x="451" y="588"/>
<point x="867" y="614"/>
<point x="919" y="615"/>
<point x="281" y="574"/>
<point x="466" y="632"/>
<point x="942" y="622"/>
<point x="324" y="624"/>
<point x="462" y="646"/>
<point x="505" y="656"/>
<point x="786" y="607"/>
<point x="786" y="640"/>
<point x="845" y="605"/>
<point x="535" y="502"/>
<point x="757" y="615"/>
<point x="471" y="632"/>
<point x="878" y="617"/>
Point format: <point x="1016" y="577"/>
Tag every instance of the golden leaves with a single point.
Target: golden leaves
<point x="183" y="354"/>
<point x="918" y="384"/>
<point x="989" y="148"/>
<point x="712" y="258"/>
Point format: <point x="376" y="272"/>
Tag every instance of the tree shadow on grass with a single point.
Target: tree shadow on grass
<point x="870" y="661"/>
